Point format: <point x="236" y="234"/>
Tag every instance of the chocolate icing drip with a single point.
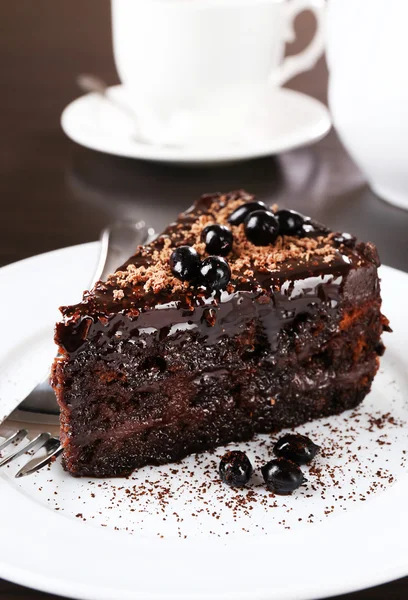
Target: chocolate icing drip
<point x="272" y="298"/>
<point x="217" y="316"/>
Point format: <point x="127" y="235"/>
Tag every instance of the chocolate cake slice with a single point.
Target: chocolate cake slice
<point x="179" y="352"/>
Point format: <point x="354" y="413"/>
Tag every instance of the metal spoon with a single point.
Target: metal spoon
<point x="93" y="84"/>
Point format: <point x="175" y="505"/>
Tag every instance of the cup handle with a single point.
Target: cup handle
<point x="305" y="60"/>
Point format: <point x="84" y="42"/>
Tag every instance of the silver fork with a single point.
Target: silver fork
<point x="44" y="440"/>
<point x="117" y="242"/>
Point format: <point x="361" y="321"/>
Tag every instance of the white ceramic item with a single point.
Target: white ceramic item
<point x="175" y="532"/>
<point x="208" y="60"/>
<point x="100" y="125"/>
<point x="367" y="47"/>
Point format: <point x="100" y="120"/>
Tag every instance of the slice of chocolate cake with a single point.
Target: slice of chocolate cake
<point x="237" y="319"/>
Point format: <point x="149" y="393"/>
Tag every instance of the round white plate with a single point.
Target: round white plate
<point x="175" y="532"/>
<point x="288" y="120"/>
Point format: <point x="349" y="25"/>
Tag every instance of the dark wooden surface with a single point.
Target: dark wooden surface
<point x="54" y="193"/>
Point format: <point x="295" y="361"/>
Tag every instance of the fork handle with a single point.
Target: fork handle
<point x="118" y="242"/>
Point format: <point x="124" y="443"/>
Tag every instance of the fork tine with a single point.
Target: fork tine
<point x="35" y="465"/>
<point x="35" y="444"/>
<point x="21" y="433"/>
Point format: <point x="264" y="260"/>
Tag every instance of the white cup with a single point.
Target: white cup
<point x="367" y="47"/>
<point x="209" y="59"/>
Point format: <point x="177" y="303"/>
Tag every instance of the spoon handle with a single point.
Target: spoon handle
<point x="91" y="84"/>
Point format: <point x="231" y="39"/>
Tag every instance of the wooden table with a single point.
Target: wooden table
<point x="54" y="193"/>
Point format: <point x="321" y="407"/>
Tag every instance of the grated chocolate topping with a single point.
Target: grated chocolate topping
<point x="146" y="280"/>
<point x="150" y="264"/>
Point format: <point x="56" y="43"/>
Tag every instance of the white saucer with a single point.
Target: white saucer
<point x="288" y="120"/>
<point x="175" y="532"/>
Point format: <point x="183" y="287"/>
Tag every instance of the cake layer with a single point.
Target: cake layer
<point x="153" y="368"/>
<point x="118" y="422"/>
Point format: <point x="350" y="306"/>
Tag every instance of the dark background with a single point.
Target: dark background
<point x="54" y="193"/>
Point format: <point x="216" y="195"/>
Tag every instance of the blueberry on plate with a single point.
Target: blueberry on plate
<point x="214" y="273"/>
<point x="297" y="448"/>
<point x="290" y="222"/>
<point x="217" y="239"/>
<point x="282" y="476"/>
<point x="185" y="263"/>
<point x="235" y="468"/>
<point x="261" y="227"/>
<point x="240" y="214"/>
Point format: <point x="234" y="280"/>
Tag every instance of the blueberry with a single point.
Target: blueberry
<point x="345" y="239"/>
<point x="290" y="222"/>
<point x="282" y="476"/>
<point x="218" y="239"/>
<point x="297" y="448"/>
<point x="240" y="214"/>
<point x="261" y="227"/>
<point x="185" y="263"/>
<point x="214" y="273"/>
<point x="235" y="468"/>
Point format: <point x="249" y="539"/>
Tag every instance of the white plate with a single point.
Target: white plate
<point x="288" y="120"/>
<point x="175" y="532"/>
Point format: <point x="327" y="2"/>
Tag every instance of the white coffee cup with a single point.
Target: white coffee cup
<point x="208" y="59"/>
<point x="367" y="47"/>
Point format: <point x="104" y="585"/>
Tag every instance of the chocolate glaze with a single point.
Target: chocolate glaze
<point x="273" y="299"/>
